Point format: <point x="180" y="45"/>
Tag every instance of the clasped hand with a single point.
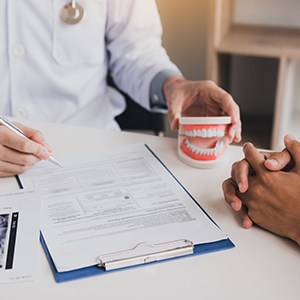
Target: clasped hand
<point x="264" y="189"/>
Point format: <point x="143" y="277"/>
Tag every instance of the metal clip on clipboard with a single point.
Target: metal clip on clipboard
<point x="145" y="253"/>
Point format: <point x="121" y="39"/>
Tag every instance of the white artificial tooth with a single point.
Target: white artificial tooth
<point x="220" y="146"/>
<point x="215" y="132"/>
<point x="209" y="133"/>
<point x="187" y="143"/>
<point x="222" y="133"/>
<point x="199" y="132"/>
<point x="194" y="132"/>
<point x="203" y="133"/>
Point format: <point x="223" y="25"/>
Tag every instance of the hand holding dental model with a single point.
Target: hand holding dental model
<point x="187" y="98"/>
<point x="207" y="117"/>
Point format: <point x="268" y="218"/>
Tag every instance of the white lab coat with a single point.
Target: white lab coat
<point x="53" y="71"/>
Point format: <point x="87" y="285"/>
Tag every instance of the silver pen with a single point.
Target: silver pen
<point x="18" y="131"/>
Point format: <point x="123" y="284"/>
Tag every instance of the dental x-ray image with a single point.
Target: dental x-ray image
<point x="3" y="236"/>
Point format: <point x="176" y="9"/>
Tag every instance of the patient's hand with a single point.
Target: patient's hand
<point x="272" y="198"/>
<point x="239" y="181"/>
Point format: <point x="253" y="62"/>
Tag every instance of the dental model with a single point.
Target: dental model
<point x="201" y="140"/>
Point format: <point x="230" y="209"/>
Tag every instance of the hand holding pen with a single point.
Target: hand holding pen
<point x="20" y="148"/>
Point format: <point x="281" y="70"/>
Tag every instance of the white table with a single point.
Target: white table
<point x="262" y="266"/>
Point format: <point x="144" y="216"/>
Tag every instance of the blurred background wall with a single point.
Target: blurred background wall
<point x="185" y="32"/>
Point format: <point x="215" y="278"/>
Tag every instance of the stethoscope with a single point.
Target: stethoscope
<point x="72" y="12"/>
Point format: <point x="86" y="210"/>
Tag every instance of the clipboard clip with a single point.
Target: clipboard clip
<point x="144" y="253"/>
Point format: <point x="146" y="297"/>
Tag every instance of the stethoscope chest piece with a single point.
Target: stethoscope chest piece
<point x="72" y="13"/>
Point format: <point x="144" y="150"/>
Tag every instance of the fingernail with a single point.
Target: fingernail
<point x="240" y="186"/>
<point x="45" y="154"/>
<point x="233" y="205"/>
<point x="232" y="132"/>
<point x="273" y="162"/>
<point x="247" y="223"/>
<point x="290" y="137"/>
<point x="47" y="146"/>
<point x="246" y="145"/>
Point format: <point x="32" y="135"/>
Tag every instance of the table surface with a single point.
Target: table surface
<point x="261" y="266"/>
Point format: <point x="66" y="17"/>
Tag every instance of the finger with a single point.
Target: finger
<point x="229" y="106"/>
<point x="11" y="169"/>
<point x="174" y="122"/>
<point x="173" y="89"/>
<point x="15" y="157"/>
<point x="235" y="132"/>
<point x="34" y="135"/>
<point x="246" y="221"/>
<point x="239" y="173"/>
<point x="7" y="174"/>
<point x="293" y="146"/>
<point x="229" y="190"/>
<point x="254" y="158"/>
<point x="22" y="144"/>
<point x="278" y="160"/>
<point x="174" y="113"/>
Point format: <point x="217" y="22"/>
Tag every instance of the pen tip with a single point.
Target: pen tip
<point x="55" y="161"/>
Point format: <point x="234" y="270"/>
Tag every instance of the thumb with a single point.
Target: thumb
<point x="174" y="113"/>
<point x="278" y="160"/>
<point x="293" y="146"/>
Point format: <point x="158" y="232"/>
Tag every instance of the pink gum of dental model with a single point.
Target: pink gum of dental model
<point x="201" y="140"/>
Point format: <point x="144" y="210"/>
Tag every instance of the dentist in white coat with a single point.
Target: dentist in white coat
<point x="54" y="59"/>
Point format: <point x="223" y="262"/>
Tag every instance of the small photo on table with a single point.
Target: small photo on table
<point x="4" y="218"/>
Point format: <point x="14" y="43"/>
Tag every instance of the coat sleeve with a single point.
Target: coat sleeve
<point x="134" y="46"/>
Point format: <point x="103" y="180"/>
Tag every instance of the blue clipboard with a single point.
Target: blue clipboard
<point x="96" y="270"/>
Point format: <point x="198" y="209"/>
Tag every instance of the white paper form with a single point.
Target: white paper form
<point x="19" y="235"/>
<point x="113" y="203"/>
